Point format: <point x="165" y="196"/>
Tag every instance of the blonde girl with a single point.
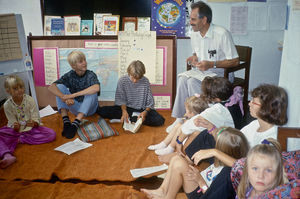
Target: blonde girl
<point x="23" y="122"/>
<point x="180" y="173"/>
<point x="263" y="170"/>
<point x="193" y="106"/>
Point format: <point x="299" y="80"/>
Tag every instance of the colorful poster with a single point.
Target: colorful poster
<point x="168" y="17"/>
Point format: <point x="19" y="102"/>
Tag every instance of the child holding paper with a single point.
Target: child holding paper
<point x="23" y="122"/>
<point x="133" y="94"/>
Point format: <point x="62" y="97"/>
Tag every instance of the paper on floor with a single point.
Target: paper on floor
<point x="147" y="170"/>
<point x="48" y="110"/>
<point x="73" y="146"/>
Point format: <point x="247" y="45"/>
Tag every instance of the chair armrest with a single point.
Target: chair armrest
<point x="236" y="68"/>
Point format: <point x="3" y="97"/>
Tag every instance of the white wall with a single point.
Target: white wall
<point x="290" y="67"/>
<point x="266" y="58"/>
<point x="30" y="11"/>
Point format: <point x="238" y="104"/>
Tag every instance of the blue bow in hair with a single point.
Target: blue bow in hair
<point x="265" y="142"/>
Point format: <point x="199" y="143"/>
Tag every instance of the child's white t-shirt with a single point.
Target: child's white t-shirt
<point x="254" y="137"/>
<point x="210" y="173"/>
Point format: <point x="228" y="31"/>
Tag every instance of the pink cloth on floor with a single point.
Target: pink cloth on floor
<point x="10" y="138"/>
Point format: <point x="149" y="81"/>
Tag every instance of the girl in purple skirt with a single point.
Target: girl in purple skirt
<point x="23" y="122"/>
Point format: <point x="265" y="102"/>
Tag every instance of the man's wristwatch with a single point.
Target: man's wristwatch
<point x="215" y="64"/>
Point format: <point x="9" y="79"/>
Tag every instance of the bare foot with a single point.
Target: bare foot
<point x="166" y="158"/>
<point x="7" y="160"/>
<point x="153" y="193"/>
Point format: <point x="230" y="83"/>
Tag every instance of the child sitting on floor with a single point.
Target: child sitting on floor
<point x="180" y="173"/>
<point x="269" y="106"/>
<point x="23" y="122"/>
<point x="193" y="106"/>
<point x="76" y="91"/>
<point x="263" y="170"/>
<point x="133" y="94"/>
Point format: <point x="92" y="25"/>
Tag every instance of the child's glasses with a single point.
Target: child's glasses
<point x="257" y="104"/>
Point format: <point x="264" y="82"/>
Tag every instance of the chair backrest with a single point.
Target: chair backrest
<point x="244" y="53"/>
<point x="284" y="133"/>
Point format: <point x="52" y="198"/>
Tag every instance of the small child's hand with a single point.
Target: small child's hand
<point x="31" y="123"/>
<point x="17" y="126"/>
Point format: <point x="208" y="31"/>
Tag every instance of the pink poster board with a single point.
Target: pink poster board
<point x="38" y="65"/>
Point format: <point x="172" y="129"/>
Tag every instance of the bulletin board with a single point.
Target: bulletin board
<point x="160" y="92"/>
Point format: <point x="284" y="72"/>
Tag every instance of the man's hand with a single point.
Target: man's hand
<point x="192" y="60"/>
<point x="203" y="65"/>
<point x="17" y="126"/>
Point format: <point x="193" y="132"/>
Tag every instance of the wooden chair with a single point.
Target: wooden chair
<point x="284" y="133"/>
<point x="244" y="53"/>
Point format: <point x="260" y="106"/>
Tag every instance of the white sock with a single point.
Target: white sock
<point x="161" y="145"/>
<point x="165" y="151"/>
<point x="169" y="129"/>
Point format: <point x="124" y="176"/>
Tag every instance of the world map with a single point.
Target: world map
<point x="103" y="62"/>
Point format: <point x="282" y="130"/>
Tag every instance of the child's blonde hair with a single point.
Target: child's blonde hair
<point x="271" y="148"/>
<point x="232" y="142"/>
<point x="13" y="81"/>
<point x="195" y="104"/>
<point x="136" y="69"/>
<point x="75" y="57"/>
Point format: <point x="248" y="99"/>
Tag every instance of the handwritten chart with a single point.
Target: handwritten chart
<point x="138" y="46"/>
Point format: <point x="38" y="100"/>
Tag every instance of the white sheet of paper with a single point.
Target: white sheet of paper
<point x="239" y="20"/>
<point x="48" y="110"/>
<point x="73" y="146"/>
<point x="293" y="144"/>
<point x="147" y="170"/>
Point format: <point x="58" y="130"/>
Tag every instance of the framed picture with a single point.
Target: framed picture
<point x="143" y="24"/>
<point x="129" y="24"/>
<point x="110" y="24"/>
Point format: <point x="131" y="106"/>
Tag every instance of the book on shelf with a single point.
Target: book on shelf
<point x="143" y="24"/>
<point x="47" y="24"/>
<point x="133" y="127"/>
<point x="129" y="23"/>
<point x="110" y="24"/>
<point x="72" y="25"/>
<point x="57" y="26"/>
<point x="98" y="22"/>
<point x="86" y="27"/>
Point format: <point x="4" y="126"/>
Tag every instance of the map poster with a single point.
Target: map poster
<point x="168" y="17"/>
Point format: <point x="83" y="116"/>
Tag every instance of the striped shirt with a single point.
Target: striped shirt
<point x="134" y="95"/>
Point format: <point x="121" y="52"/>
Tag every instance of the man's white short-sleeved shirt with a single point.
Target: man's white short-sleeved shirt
<point x="216" y="45"/>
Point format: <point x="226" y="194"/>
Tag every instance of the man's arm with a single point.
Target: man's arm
<point x="228" y="63"/>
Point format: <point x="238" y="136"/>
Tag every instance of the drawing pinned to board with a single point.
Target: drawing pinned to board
<point x="168" y="17"/>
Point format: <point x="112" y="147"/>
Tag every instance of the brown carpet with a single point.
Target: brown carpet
<point x="109" y="160"/>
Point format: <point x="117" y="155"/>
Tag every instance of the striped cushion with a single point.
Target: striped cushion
<point x="91" y="131"/>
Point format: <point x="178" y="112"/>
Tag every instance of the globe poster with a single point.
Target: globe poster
<point x="168" y="17"/>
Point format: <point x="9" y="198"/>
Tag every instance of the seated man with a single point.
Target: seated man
<point x="76" y="91"/>
<point x="213" y="50"/>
